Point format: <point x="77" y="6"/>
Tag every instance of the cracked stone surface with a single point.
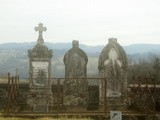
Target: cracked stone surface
<point x="112" y="65"/>
<point x="75" y="90"/>
<point x="40" y="97"/>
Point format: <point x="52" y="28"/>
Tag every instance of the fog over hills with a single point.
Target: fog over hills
<point x="13" y="55"/>
<point x="130" y="49"/>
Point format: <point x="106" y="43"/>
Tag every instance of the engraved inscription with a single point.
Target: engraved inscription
<point x="40" y="73"/>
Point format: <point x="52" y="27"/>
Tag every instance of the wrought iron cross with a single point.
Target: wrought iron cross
<point x="40" y="29"/>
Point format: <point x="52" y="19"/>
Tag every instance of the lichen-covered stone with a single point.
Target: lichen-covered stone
<point x="112" y="65"/>
<point x="40" y="95"/>
<point x="75" y="84"/>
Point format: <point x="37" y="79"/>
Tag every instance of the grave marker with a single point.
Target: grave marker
<point x="40" y="96"/>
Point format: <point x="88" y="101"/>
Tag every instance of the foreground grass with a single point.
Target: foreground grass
<point x="5" y="81"/>
<point x="63" y="118"/>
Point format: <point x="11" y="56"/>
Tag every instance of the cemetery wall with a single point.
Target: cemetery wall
<point x="21" y="101"/>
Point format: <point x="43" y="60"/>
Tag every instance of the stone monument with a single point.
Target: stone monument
<point x="40" y="96"/>
<point x="75" y="84"/>
<point x="112" y="65"/>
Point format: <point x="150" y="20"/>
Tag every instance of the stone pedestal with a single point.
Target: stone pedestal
<point x="75" y="93"/>
<point x="40" y="99"/>
<point x="116" y="103"/>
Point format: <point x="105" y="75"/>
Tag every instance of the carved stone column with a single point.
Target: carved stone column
<point x="40" y="96"/>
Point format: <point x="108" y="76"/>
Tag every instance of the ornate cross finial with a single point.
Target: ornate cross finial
<point x="40" y="29"/>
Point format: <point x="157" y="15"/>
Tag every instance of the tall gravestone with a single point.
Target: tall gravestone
<point x="40" y="95"/>
<point x="75" y="84"/>
<point x="113" y="66"/>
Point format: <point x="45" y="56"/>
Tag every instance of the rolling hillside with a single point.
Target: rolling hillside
<point x="15" y="55"/>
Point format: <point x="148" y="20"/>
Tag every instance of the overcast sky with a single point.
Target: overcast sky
<point x="91" y="22"/>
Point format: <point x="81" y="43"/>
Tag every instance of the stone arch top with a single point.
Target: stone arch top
<point x="75" y="50"/>
<point x="112" y="50"/>
<point x="40" y="50"/>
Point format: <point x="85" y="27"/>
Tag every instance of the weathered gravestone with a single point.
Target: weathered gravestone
<point x="40" y="95"/>
<point x="75" y="90"/>
<point x="113" y="66"/>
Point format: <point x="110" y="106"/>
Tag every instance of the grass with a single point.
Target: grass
<point x="5" y="81"/>
<point x="62" y="118"/>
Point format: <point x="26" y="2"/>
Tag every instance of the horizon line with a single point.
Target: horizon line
<point x="79" y="43"/>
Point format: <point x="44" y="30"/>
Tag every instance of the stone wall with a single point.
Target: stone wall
<point x="57" y="92"/>
<point x="20" y="102"/>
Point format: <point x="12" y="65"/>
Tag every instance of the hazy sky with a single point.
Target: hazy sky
<point x="91" y="22"/>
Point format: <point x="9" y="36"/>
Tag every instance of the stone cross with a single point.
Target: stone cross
<point x="40" y="29"/>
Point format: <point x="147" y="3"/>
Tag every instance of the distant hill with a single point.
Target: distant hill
<point x="130" y="49"/>
<point x="142" y="48"/>
<point x="13" y="55"/>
